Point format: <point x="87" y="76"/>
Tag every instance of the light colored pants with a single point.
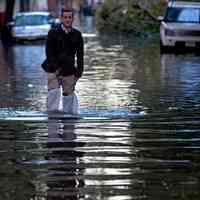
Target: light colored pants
<point x="61" y="95"/>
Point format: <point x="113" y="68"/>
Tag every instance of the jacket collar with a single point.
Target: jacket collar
<point x="65" y="29"/>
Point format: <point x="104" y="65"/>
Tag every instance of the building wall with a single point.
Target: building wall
<point x="53" y="6"/>
<point x="2" y="12"/>
<point x="34" y="5"/>
<point x="40" y="5"/>
<point x="2" y="5"/>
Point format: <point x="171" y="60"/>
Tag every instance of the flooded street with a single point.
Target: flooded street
<point x="138" y="132"/>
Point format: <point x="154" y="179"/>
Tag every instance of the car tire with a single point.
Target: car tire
<point x="6" y="35"/>
<point x="163" y="48"/>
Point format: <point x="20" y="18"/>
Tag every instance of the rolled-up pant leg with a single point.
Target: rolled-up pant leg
<point x="54" y="93"/>
<point x="70" y="99"/>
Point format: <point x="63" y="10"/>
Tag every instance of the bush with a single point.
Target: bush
<point x="115" y="16"/>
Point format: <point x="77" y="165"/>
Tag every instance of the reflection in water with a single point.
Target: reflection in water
<point x="180" y="77"/>
<point x="63" y="181"/>
<point x="111" y="152"/>
<point x="147" y="157"/>
<point x="24" y="77"/>
<point x="15" y="181"/>
<point x="119" y="74"/>
<point x="4" y="69"/>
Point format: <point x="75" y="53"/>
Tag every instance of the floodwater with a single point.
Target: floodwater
<point x="137" y="135"/>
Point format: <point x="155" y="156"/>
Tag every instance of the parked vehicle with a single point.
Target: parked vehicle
<point x="180" y="26"/>
<point x="31" y="25"/>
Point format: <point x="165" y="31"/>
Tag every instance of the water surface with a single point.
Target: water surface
<point x="137" y="135"/>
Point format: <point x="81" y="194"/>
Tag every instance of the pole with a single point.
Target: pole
<point x="24" y="5"/>
<point x="9" y="10"/>
<point x="5" y="32"/>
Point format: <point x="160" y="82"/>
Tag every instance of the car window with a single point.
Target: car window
<point x="31" y="20"/>
<point x="188" y="15"/>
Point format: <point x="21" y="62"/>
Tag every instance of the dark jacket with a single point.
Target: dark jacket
<point x="62" y="48"/>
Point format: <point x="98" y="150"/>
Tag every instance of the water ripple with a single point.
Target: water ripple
<point x="142" y="157"/>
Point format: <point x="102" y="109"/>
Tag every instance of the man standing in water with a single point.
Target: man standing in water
<point x="64" y="46"/>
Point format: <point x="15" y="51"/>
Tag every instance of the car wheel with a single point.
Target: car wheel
<point x="6" y="35"/>
<point x="163" y="48"/>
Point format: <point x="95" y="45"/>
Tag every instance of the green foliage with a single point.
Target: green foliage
<point x="159" y="8"/>
<point x="110" y="16"/>
<point x="115" y="16"/>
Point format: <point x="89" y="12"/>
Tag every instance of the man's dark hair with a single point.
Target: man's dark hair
<point x="67" y="10"/>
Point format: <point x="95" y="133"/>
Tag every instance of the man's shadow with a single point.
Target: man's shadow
<point x="64" y="172"/>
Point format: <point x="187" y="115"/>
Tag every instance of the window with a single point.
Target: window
<point x="187" y="15"/>
<point x="31" y="20"/>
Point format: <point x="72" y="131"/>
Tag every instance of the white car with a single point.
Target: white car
<point x="180" y="26"/>
<point x="31" y="25"/>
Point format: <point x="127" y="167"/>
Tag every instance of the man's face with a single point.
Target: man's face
<point x="67" y="19"/>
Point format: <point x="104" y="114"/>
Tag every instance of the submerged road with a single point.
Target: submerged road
<point x="137" y="135"/>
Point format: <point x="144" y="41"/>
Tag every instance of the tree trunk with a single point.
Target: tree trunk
<point x="5" y="31"/>
<point x="9" y="10"/>
<point x="24" y="5"/>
